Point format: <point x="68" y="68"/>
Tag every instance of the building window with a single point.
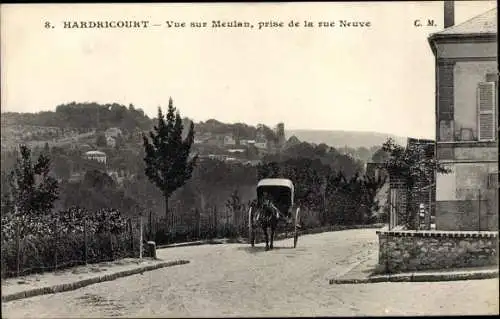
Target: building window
<point x="486" y="101"/>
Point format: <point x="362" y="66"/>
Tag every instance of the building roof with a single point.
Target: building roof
<point x="483" y="24"/>
<point x="95" y="153"/>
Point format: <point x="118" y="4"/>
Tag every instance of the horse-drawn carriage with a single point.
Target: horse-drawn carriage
<point x="275" y="205"/>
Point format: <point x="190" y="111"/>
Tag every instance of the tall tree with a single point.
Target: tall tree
<point x="167" y="154"/>
<point x="33" y="190"/>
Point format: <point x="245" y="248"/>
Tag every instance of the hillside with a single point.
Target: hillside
<point x="340" y="139"/>
<point x="71" y="122"/>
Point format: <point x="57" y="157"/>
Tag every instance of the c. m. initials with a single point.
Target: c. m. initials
<point x="419" y="23"/>
<point x="430" y="23"/>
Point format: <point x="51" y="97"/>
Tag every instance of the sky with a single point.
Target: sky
<point x="378" y="79"/>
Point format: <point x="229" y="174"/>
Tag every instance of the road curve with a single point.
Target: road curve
<point x="236" y="280"/>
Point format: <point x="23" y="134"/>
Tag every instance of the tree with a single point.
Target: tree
<point x="380" y="156"/>
<point x="62" y="167"/>
<point x="32" y="190"/>
<point x="167" y="155"/>
<point x="101" y="140"/>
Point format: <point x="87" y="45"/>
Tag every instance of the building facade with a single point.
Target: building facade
<point x="466" y="76"/>
<point x="96" y="156"/>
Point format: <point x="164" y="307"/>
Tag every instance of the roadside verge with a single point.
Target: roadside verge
<point x="49" y="283"/>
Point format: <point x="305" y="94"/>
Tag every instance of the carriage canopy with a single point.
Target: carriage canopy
<point x="280" y="189"/>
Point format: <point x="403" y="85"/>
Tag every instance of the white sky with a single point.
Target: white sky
<point x="377" y="79"/>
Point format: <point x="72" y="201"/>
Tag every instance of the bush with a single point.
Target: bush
<point x="59" y="240"/>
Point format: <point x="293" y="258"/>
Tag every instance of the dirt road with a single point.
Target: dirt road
<point x="235" y="280"/>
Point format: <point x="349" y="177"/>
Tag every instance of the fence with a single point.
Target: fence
<point x="67" y="246"/>
<point x="211" y="223"/>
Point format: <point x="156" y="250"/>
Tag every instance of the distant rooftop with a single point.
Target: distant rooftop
<point x="483" y="24"/>
<point x="95" y="153"/>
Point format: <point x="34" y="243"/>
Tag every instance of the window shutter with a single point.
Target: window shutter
<point x="486" y="111"/>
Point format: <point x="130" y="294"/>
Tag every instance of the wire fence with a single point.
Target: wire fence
<point x="65" y="247"/>
<point x="213" y="223"/>
<point x="66" y="243"/>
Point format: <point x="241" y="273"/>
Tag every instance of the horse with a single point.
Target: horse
<point x="268" y="216"/>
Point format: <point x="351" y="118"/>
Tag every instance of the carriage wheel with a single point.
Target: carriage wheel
<point x="251" y="231"/>
<point x="296" y="234"/>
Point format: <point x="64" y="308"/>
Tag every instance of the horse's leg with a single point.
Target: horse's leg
<point x="273" y="229"/>
<point x="264" y="229"/>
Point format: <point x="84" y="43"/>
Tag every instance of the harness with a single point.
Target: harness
<point x="268" y="209"/>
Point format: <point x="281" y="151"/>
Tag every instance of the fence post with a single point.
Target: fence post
<point x="479" y="210"/>
<point x="140" y="242"/>
<point x="150" y="225"/>
<point x="55" y="246"/>
<point x="18" y="248"/>
<point x="131" y="233"/>
<point x="198" y="220"/>
<point x="110" y="237"/>
<point x="215" y="221"/>
<point x="85" y="240"/>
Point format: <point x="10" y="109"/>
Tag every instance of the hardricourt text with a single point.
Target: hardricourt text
<point x="142" y="24"/>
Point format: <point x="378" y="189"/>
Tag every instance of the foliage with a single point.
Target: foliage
<point x="84" y="116"/>
<point x="101" y="140"/>
<point x="318" y="187"/>
<point x="234" y="203"/>
<point x="167" y="155"/>
<point x="32" y="190"/>
<point x="380" y="156"/>
<point x="411" y="164"/>
<point x="100" y="191"/>
<point x="240" y="131"/>
<point x="41" y="237"/>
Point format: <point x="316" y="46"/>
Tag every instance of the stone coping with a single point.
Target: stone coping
<point x="438" y="233"/>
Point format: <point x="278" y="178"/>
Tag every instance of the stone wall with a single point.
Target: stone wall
<point x="401" y="251"/>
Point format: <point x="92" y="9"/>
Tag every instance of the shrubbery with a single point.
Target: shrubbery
<point x="47" y="242"/>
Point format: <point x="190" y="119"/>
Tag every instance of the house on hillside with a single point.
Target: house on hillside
<point x="113" y="132"/>
<point x="261" y="144"/>
<point x="237" y="151"/>
<point x="96" y="156"/>
<point x="466" y="122"/>
<point x="229" y="140"/>
<point x="110" y="141"/>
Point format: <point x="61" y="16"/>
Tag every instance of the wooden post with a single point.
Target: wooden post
<point x="150" y="225"/>
<point x="131" y="232"/>
<point x="429" y="213"/>
<point x="198" y="217"/>
<point x="140" y="239"/>
<point x="55" y="246"/>
<point x="85" y="240"/>
<point x="18" y="248"/>
<point x="110" y="237"/>
<point x="479" y="210"/>
<point x="215" y="220"/>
